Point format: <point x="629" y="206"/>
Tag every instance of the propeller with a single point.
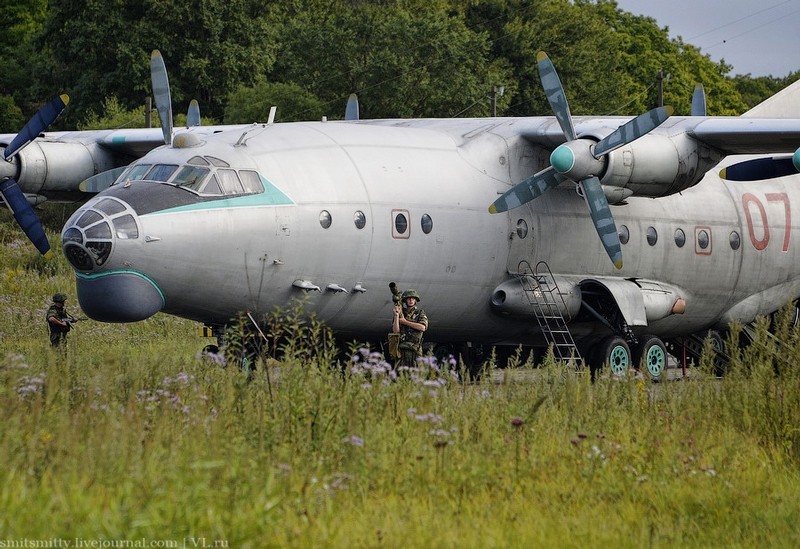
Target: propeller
<point x="158" y="75"/>
<point x="10" y="190"/>
<point x="351" y="111"/>
<point x="193" y="114"/>
<point x="579" y="160"/>
<point x="699" y="100"/>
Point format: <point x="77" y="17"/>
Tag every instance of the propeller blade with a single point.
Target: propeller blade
<point x="351" y="112"/>
<point x="699" y="101"/>
<point x="101" y="181"/>
<point x="632" y="130"/>
<point x="36" y="125"/>
<point x="193" y="114"/>
<point x="555" y="94"/>
<point x="158" y="75"/>
<point x="602" y="219"/>
<point x="25" y="216"/>
<point x="526" y="190"/>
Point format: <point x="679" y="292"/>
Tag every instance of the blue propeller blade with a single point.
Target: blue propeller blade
<point x="555" y="94"/>
<point x="699" y="101"/>
<point x="36" y="125"/>
<point x="193" y="114"/>
<point x="25" y="216"/>
<point x="602" y="219"/>
<point x="526" y="190"/>
<point x="158" y="75"/>
<point x="351" y="111"/>
<point x="632" y="130"/>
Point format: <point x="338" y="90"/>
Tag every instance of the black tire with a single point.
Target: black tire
<point x="651" y="356"/>
<point x="720" y="347"/>
<point x="473" y="362"/>
<point x="615" y="353"/>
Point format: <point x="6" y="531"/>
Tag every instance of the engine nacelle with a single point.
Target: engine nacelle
<point x="657" y="165"/>
<point x="510" y="298"/>
<point x="58" y="166"/>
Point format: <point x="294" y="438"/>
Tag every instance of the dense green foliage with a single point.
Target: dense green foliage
<point x="131" y="435"/>
<point x="405" y="58"/>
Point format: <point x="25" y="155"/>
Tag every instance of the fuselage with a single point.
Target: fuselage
<point x="347" y="208"/>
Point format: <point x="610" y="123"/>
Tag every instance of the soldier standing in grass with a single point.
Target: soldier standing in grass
<point x="410" y="322"/>
<point x="59" y="320"/>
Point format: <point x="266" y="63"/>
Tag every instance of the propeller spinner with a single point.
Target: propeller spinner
<point x="579" y="160"/>
<point x="9" y="189"/>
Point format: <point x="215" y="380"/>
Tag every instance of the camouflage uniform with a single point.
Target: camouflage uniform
<point x="411" y="339"/>
<point x="58" y="334"/>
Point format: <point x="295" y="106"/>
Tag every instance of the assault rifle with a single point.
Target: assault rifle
<point x="71" y="320"/>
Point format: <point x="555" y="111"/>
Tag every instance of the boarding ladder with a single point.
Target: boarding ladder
<point x="542" y="293"/>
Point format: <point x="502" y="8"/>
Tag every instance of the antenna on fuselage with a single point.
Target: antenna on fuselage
<point x="272" y="110"/>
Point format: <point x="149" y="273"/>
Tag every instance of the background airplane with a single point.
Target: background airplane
<point x="247" y="219"/>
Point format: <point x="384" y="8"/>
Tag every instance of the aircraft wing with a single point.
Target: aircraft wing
<point x="133" y="142"/>
<point x="138" y="142"/>
<point x="728" y="135"/>
<point x="738" y="135"/>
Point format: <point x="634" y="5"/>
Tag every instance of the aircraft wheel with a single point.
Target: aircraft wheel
<point x="443" y="354"/>
<point x="614" y="352"/>
<point x="473" y="361"/>
<point x="652" y="354"/>
<point x="720" y="348"/>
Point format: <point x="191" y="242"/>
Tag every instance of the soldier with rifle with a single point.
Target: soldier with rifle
<point x="59" y="320"/>
<point x="409" y="322"/>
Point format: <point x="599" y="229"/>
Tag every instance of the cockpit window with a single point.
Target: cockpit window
<point x="204" y="175"/>
<point x="198" y="161"/>
<point x="212" y="187"/>
<point x="218" y="162"/>
<point x="134" y="172"/>
<point x="229" y="182"/>
<point x="192" y="177"/>
<point x="251" y="181"/>
<point x="161" y="172"/>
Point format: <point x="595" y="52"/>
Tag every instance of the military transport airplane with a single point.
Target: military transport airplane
<point x="214" y="224"/>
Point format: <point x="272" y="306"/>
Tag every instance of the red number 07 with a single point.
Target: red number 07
<point x="749" y="200"/>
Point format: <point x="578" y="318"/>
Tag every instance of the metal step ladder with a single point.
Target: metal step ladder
<point x="542" y="292"/>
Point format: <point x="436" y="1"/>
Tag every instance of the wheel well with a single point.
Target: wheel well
<point x="599" y="305"/>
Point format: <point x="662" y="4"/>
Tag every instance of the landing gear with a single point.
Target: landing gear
<point x="614" y="352"/>
<point x="651" y="354"/>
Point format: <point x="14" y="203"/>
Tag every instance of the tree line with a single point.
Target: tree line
<point x="404" y="58"/>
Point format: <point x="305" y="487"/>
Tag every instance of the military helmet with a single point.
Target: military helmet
<point x="59" y="298"/>
<point x="411" y="293"/>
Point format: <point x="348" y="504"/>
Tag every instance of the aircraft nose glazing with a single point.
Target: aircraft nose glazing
<point x="88" y="236"/>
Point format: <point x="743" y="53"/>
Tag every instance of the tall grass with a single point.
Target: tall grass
<point x="131" y="435"/>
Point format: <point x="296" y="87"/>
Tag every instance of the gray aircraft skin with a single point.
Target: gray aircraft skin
<point x="223" y="220"/>
<point x="349" y="206"/>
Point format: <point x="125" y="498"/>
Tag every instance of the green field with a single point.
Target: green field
<point x="130" y="437"/>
